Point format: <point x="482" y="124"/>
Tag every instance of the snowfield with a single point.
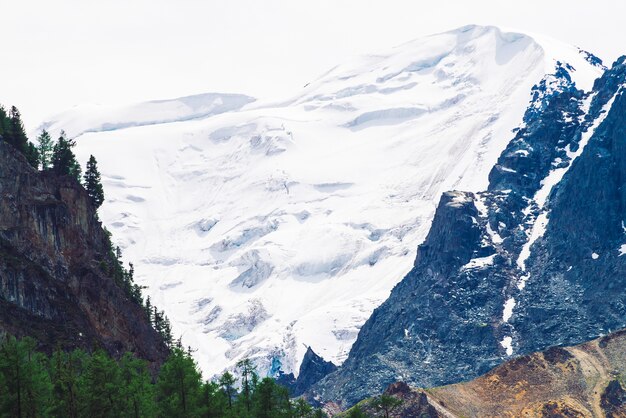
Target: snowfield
<point x="268" y="227"/>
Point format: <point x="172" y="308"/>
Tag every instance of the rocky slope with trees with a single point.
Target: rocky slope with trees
<point x="61" y="280"/>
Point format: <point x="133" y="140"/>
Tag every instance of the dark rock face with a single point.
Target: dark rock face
<point x="53" y="258"/>
<point x="518" y="268"/>
<point x="312" y="369"/>
<point x="613" y="400"/>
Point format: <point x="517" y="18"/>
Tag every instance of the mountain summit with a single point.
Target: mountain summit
<point x="276" y="227"/>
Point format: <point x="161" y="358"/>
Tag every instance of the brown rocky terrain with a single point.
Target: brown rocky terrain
<point x="581" y="381"/>
<point x="55" y="268"/>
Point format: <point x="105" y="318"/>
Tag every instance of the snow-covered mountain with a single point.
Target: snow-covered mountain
<point x="278" y="226"/>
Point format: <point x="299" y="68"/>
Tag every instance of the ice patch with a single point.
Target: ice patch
<point x="479" y="262"/>
<point x="508" y="309"/>
<point x="507" y="344"/>
<point x="595" y="256"/>
<point x="622" y="250"/>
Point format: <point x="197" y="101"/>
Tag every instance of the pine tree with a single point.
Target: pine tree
<point x="179" y="386"/>
<point x="66" y="370"/>
<point x="137" y="389"/>
<point x="32" y="155"/>
<point x="4" y="124"/>
<point x="247" y="370"/>
<point x="148" y="309"/>
<point x="27" y="388"/>
<point x="271" y="400"/>
<point x="102" y="385"/>
<point x="302" y="409"/>
<point x="44" y="148"/>
<point x="93" y="184"/>
<point x="63" y="159"/>
<point x="386" y="404"/>
<point x="16" y="135"/>
<point x="227" y="382"/>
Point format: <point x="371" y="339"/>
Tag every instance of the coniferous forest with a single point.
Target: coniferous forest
<point x="81" y="384"/>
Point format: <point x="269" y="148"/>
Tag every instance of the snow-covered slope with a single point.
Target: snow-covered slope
<point x="95" y="118"/>
<point x="279" y="226"/>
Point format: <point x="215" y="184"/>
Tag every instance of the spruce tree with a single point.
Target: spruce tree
<point x="247" y="370"/>
<point x="16" y="135"/>
<point x="271" y="400"/>
<point x="4" y="124"/>
<point x="179" y="386"/>
<point x="27" y="388"/>
<point x="32" y="155"/>
<point x="66" y="370"/>
<point x="44" y="148"/>
<point x="93" y="184"/>
<point x="227" y="382"/>
<point x="386" y="404"/>
<point x="302" y="409"/>
<point x="102" y="386"/>
<point x="63" y="159"/>
<point x="138" y="392"/>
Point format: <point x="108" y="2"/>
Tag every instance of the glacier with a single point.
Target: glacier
<point x="271" y="226"/>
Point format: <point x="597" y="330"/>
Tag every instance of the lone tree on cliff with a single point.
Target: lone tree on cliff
<point x="93" y="185"/>
<point x="63" y="159"/>
<point x="44" y="150"/>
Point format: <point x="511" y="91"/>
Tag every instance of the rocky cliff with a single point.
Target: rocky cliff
<point x="534" y="261"/>
<point x="54" y="268"/>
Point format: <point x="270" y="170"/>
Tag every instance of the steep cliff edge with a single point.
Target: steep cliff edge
<point x="55" y="261"/>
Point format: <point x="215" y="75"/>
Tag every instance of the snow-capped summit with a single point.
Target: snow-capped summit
<point x="265" y="230"/>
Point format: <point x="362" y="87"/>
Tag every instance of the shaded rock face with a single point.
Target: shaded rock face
<point x="534" y="261"/>
<point x="53" y="259"/>
<point x="312" y="369"/>
<point x="613" y="400"/>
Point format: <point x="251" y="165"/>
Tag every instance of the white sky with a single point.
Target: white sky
<point x="56" y="54"/>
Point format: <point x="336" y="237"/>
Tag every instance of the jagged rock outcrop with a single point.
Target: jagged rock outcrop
<point x="534" y="261"/>
<point x="312" y="369"/>
<point x="54" y="259"/>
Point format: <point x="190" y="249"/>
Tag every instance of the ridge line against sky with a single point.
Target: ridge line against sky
<point x="69" y="52"/>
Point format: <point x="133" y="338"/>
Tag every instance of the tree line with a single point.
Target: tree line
<point x="79" y="384"/>
<point x="49" y="155"/>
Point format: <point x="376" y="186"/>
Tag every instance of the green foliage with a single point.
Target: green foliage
<point x="63" y="159"/>
<point x="102" y="387"/>
<point x="32" y="155"/>
<point x="12" y="131"/>
<point x="271" y="400"/>
<point x="247" y="371"/>
<point x="93" y="183"/>
<point x="227" y="382"/>
<point x="26" y="387"/>
<point x="356" y="412"/>
<point x="386" y="404"/>
<point x="77" y="384"/>
<point x="44" y="150"/>
<point x="139" y="393"/>
<point x="65" y="371"/>
<point x="179" y="387"/>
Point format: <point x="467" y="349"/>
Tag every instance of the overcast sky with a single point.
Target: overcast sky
<point x="57" y="54"/>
